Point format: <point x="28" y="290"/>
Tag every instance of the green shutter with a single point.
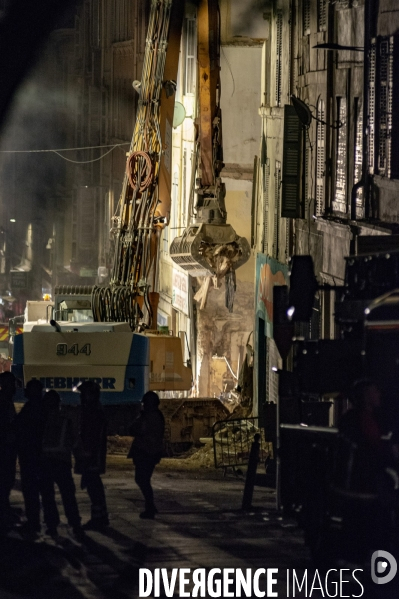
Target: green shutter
<point x="291" y="204"/>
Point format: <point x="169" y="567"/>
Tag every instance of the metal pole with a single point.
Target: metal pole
<point x="251" y="474"/>
<point x="278" y="465"/>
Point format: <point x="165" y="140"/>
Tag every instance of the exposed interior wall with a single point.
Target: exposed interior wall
<point x="222" y="334"/>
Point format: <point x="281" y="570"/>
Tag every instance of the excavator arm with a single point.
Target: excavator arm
<point x="209" y="247"/>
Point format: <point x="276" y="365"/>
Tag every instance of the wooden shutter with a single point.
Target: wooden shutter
<point x="291" y="202"/>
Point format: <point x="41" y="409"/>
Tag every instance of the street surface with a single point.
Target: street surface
<point x="200" y="525"/>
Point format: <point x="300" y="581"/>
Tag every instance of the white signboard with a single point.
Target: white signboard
<point x="180" y="291"/>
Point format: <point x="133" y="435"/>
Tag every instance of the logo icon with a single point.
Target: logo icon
<point x="383" y="567"/>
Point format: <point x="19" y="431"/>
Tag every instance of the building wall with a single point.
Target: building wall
<point x="106" y="58"/>
<point x="331" y="84"/>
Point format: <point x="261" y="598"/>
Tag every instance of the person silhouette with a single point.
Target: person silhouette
<point x="59" y="441"/>
<point x="91" y="453"/>
<point x="147" y="448"/>
<point x="29" y="426"/>
<point x="8" y="447"/>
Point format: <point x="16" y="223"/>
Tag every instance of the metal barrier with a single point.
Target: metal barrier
<point x="232" y="440"/>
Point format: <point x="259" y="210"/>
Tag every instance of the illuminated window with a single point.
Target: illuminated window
<point x="357" y="175"/>
<point x="190" y="70"/>
<point x="339" y="203"/>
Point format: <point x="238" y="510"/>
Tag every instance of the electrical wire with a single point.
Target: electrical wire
<point x="57" y="152"/>
<point x="85" y="161"/>
<point x="126" y="143"/>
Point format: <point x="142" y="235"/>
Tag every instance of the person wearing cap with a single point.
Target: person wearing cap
<point x="90" y="456"/>
<point x="8" y="446"/>
<point x="147" y="448"/>
<point x="29" y="426"/>
<point x="59" y="441"/>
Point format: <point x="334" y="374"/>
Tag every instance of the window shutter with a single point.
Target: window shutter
<point x="320" y="159"/>
<point x="322" y="15"/>
<point x="306" y="17"/>
<point x="393" y="101"/>
<point x="278" y="58"/>
<point x="372" y="76"/>
<point x="266" y="180"/>
<point x="254" y="203"/>
<point x="291" y="205"/>
<point x="385" y="68"/>
<point x="277" y="195"/>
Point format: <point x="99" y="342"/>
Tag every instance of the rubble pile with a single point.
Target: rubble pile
<point x="118" y="445"/>
<point x="204" y="457"/>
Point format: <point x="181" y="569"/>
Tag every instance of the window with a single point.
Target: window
<point x="320" y="159"/>
<point x="184" y="202"/>
<point x="357" y="175"/>
<point x="123" y="20"/>
<point x="165" y="240"/>
<point x="266" y="179"/>
<point x="322" y="15"/>
<point x="190" y="70"/>
<point x="372" y="82"/>
<point x="277" y="191"/>
<point x="385" y="72"/>
<point x="383" y="95"/>
<point x="385" y="120"/>
<point x="175" y="200"/>
<point x="306" y="17"/>
<point x="279" y="49"/>
<point x="294" y="190"/>
<point x="339" y="203"/>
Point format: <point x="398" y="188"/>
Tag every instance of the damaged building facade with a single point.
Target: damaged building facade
<point x="336" y="194"/>
<point x="193" y="305"/>
<point x="93" y="58"/>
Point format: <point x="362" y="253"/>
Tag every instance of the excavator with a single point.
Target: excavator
<point x="108" y="333"/>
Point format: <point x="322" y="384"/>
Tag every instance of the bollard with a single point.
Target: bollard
<point x="251" y="473"/>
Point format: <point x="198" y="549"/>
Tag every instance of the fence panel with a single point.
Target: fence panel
<point x="232" y="440"/>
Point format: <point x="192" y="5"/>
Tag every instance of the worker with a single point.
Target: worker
<point x="58" y="443"/>
<point x="29" y="426"/>
<point x="147" y="448"/>
<point x="366" y="467"/>
<point x="362" y="424"/>
<point x="8" y="447"/>
<point x="90" y="456"/>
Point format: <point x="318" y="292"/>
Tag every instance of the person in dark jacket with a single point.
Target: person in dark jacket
<point x="8" y="446"/>
<point x="364" y="458"/>
<point x="147" y="448"/>
<point x="91" y="453"/>
<point x="59" y="441"/>
<point x="29" y="425"/>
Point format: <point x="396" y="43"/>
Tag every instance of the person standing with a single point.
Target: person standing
<point x="90" y="456"/>
<point x="58" y="443"/>
<point x="147" y="448"/>
<point x="29" y="426"/>
<point x="8" y="446"/>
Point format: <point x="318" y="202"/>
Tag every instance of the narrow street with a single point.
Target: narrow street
<point x="200" y="525"/>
